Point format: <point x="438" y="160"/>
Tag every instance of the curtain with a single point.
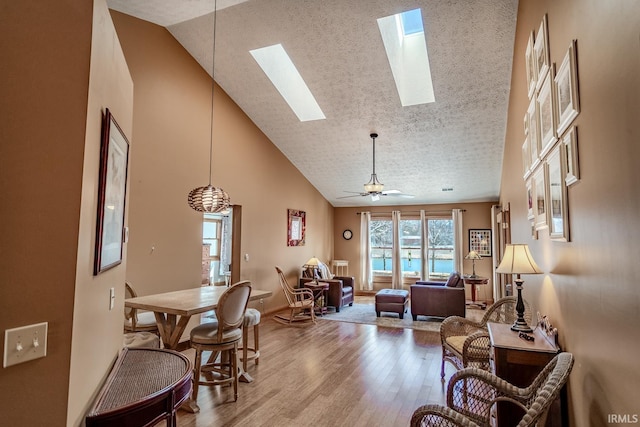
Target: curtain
<point x="458" y="240"/>
<point x="396" y="256"/>
<point x="366" y="282"/>
<point x="424" y="244"/>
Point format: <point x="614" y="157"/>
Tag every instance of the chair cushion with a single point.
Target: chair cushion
<point x="251" y="317"/>
<point x="140" y="340"/>
<point x="457" y="342"/>
<point x="143" y="319"/>
<point x="453" y="280"/>
<point x="207" y="333"/>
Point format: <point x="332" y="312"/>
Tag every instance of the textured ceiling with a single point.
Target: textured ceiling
<point x="456" y="142"/>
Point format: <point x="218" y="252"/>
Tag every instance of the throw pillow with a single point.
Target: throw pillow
<point x="452" y="282"/>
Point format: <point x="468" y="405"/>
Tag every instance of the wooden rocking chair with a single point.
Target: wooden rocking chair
<point x="300" y="302"/>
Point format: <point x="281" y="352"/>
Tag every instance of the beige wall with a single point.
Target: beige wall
<point x="97" y="331"/>
<point x="43" y="114"/>
<point x="589" y="288"/>
<point x="170" y="157"/>
<point x="476" y="215"/>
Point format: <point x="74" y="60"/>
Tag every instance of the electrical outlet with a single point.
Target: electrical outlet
<point x="25" y="343"/>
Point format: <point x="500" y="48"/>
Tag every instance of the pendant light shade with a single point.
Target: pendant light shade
<point x="210" y="199"/>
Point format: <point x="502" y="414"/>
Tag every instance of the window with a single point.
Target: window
<point x="441" y="247"/>
<point x="211" y="246"/>
<point x="440" y="250"/>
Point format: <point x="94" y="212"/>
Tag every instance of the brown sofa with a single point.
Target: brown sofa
<point x="438" y="299"/>
<point x="341" y="290"/>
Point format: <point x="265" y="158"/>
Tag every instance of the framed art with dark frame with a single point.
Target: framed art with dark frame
<point x="480" y="241"/>
<point x="112" y="188"/>
<point x="296" y="225"/>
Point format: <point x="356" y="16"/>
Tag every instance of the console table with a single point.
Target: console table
<point x="519" y="362"/>
<point x="145" y="386"/>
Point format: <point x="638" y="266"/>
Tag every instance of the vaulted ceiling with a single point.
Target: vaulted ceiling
<point x="455" y="143"/>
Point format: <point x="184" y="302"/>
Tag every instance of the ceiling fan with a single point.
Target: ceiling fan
<point x="375" y="188"/>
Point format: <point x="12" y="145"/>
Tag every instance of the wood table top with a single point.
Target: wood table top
<point x="187" y="302"/>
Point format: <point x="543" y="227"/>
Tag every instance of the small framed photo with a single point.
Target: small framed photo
<point x="480" y="241"/>
<point x="557" y="191"/>
<point x="547" y="114"/>
<point x="296" y="227"/>
<point x="540" y="197"/>
<point x="530" y="214"/>
<point x="534" y="132"/>
<point x="112" y="188"/>
<point x="570" y="161"/>
<point x="526" y="158"/>
<point x="530" y="64"/>
<point x="566" y="89"/>
<point x="541" y="52"/>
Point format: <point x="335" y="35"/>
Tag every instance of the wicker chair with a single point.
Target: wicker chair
<point x="299" y="301"/>
<point x="472" y="395"/>
<point x="465" y="343"/>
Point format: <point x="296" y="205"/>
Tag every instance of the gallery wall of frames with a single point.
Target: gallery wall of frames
<point x="550" y="148"/>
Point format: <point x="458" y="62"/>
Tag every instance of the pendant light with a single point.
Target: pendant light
<point x="374" y="186"/>
<point x="210" y="199"/>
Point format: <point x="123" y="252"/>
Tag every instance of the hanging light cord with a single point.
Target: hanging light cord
<point x="213" y="83"/>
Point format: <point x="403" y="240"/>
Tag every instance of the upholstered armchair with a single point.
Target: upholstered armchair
<point x="438" y="299"/>
<point x="341" y="290"/>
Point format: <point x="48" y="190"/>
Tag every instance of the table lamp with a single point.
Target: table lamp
<point x="473" y="256"/>
<point x="518" y="260"/>
<point x="313" y="267"/>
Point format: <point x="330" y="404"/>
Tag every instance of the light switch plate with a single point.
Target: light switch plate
<point x="25" y="343"/>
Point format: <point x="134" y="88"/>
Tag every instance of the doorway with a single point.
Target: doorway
<point x="221" y="247"/>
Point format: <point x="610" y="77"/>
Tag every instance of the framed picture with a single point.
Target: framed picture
<point x="296" y="225"/>
<point x="540" y="197"/>
<point x="112" y="187"/>
<point x="480" y="241"/>
<point x="566" y="89"/>
<point x="541" y="52"/>
<point x="530" y="214"/>
<point x="557" y="191"/>
<point x="534" y="132"/>
<point x="530" y="64"/>
<point x="526" y="158"/>
<point x="570" y="161"/>
<point x="547" y="114"/>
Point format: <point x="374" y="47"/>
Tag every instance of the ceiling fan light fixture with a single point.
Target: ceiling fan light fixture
<point x="373" y="186"/>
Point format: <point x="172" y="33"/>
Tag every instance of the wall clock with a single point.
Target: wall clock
<point x="347" y="234"/>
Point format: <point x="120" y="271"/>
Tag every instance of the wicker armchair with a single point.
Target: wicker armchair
<point x="465" y="343"/>
<point x="472" y="395"/>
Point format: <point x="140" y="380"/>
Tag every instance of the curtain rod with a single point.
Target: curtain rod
<point x="448" y="211"/>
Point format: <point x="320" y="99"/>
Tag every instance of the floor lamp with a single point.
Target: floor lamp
<point x="518" y="260"/>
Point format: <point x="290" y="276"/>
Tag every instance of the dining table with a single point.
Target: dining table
<point x="174" y="309"/>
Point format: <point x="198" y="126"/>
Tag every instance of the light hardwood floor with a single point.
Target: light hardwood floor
<point x="330" y="374"/>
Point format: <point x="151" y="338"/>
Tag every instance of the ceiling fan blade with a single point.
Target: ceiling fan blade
<point x="397" y="193"/>
<point x="354" y="195"/>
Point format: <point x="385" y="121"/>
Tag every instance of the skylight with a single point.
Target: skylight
<point x="277" y="65"/>
<point x="406" y="47"/>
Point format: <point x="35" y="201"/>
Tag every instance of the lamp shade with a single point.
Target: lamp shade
<point x="208" y="199"/>
<point x="473" y="255"/>
<point x="518" y="260"/>
<point x="313" y="262"/>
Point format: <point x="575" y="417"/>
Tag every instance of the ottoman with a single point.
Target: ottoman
<point x="392" y="300"/>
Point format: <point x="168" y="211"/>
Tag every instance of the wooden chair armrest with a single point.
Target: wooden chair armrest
<point x="303" y="293"/>
<point x="440" y="416"/>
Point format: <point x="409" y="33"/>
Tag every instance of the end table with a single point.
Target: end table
<point x="320" y="295"/>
